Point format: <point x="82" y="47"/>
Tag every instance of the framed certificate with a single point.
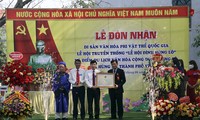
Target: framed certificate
<point x="105" y="80"/>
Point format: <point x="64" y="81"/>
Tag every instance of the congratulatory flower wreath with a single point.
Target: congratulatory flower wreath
<point x="17" y="105"/>
<point x="16" y="73"/>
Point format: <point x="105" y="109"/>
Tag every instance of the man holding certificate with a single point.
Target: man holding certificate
<point x="116" y="94"/>
<point x="93" y="93"/>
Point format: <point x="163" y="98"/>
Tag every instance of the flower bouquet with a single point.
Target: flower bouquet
<point x="187" y="111"/>
<point x="41" y="77"/>
<point x="16" y="106"/>
<point x="163" y="73"/>
<point x="164" y="108"/>
<point x="16" y="73"/>
<point x="168" y="77"/>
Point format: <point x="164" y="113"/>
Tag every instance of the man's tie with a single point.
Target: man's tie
<point x="93" y="78"/>
<point x="77" y="77"/>
<point x="114" y="70"/>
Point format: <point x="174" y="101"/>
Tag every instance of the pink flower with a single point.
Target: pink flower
<point x="162" y="74"/>
<point x="173" y="74"/>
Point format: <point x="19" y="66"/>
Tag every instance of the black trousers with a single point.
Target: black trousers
<point x="78" y="93"/>
<point x="93" y="94"/>
<point x="116" y="98"/>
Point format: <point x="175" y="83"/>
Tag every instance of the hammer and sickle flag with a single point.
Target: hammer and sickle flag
<point x="21" y="30"/>
<point x="22" y="40"/>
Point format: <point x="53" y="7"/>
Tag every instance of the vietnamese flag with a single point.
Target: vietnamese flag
<point x="43" y="33"/>
<point x="22" y="41"/>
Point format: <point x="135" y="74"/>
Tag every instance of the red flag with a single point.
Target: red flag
<point x="22" y="41"/>
<point x="43" y="33"/>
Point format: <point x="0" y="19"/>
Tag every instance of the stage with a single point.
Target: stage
<point x="45" y="99"/>
<point x="103" y="116"/>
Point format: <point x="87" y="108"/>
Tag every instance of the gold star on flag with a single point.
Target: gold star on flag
<point x="42" y="30"/>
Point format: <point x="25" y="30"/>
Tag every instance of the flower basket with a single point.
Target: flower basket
<point x="164" y="108"/>
<point x="16" y="73"/>
<point x="17" y="106"/>
<point x="187" y="111"/>
<point x="41" y="79"/>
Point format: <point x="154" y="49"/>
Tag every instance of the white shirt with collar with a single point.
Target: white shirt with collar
<point x="89" y="77"/>
<point x="72" y="77"/>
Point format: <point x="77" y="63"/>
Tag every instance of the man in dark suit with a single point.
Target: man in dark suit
<point x="116" y="94"/>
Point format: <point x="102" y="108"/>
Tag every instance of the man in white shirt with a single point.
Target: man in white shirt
<point x="77" y="79"/>
<point x="93" y="93"/>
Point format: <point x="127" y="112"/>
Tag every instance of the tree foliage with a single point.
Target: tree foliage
<point x="19" y="4"/>
<point x="2" y="46"/>
<point x="196" y="42"/>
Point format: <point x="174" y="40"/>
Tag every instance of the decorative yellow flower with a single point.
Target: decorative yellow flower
<point x="162" y="104"/>
<point x="169" y="105"/>
<point x="155" y="64"/>
<point x="170" y="112"/>
<point x="184" y="109"/>
<point x="190" y="115"/>
<point x="195" y="114"/>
